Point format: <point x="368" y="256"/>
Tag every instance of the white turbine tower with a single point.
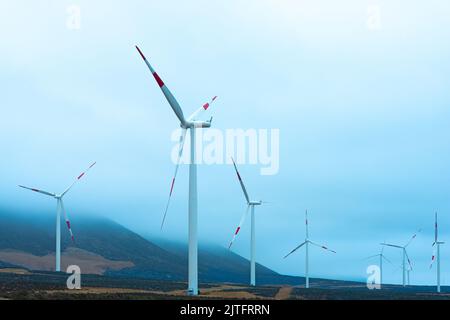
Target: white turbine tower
<point x="191" y="123"/>
<point x="404" y="256"/>
<point x="437" y="254"/>
<point x="250" y="206"/>
<point x="306" y="243"/>
<point x="380" y="256"/>
<point x="59" y="208"/>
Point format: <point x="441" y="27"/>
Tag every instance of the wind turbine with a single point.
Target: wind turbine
<point x="306" y="243"/>
<point x="190" y="123"/>
<point x="250" y="206"/>
<point x="404" y="255"/>
<point x="380" y="256"/>
<point x="59" y="208"/>
<point x="437" y="254"/>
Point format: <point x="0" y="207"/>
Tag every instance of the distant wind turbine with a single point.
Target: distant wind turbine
<point x="250" y="205"/>
<point x="404" y="255"/>
<point x="306" y="243"/>
<point x="437" y="254"/>
<point x="191" y="123"/>
<point x="380" y="256"/>
<point x="59" y="208"/>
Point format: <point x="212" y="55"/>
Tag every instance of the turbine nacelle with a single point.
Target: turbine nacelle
<point x="255" y="203"/>
<point x="196" y="124"/>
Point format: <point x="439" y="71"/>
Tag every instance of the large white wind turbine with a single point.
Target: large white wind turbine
<point x="437" y="254"/>
<point x="380" y="256"/>
<point x="250" y="206"/>
<point x="306" y="243"/>
<point x="59" y="208"/>
<point x="404" y="256"/>
<point x="191" y="123"/>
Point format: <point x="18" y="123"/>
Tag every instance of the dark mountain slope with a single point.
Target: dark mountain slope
<point x="31" y="239"/>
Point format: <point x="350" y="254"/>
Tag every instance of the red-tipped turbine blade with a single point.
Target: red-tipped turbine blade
<point x="81" y="175"/>
<point x="433" y="256"/>
<point x="169" y="96"/>
<point x="241" y="182"/>
<point x="172" y="184"/>
<point x="413" y="237"/>
<point x="295" y="249"/>
<point x="196" y="115"/>
<point x="241" y="223"/>
<point x="322" y="246"/>
<point x="39" y="191"/>
<point x="66" y="218"/>
<point x="435" y="228"/>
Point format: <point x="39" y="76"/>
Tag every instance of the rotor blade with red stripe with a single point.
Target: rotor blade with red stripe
<point x="241" y="223"/>
<point x="295" y="249"/>
<point x="78" y="178"/>
<point x="433" y="256"/>
<point x="322" y="246"/>
<point x="196" y="115"/>
<point x="40" y="191"/>
<point x="172" y="184"/>
<point x="241" y="182"/>
<point x="409" y="260"/>
<point x="169" y="96"/>
<point x="413" y="237"/>
<point x="435" y="228"/>
<point x="66" y="218"/>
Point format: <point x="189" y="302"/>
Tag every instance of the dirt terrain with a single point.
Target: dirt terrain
<point x="16" y="283"/>
<point x="89" y="262"/>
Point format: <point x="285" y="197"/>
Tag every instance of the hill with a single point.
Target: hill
<point x="104" y="247"/>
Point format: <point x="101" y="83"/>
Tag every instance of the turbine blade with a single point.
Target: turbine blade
<point x="169" y="96"/>
<point x="196" y="115"/>
<point x="384" y="257"/>
<point x="370" y="257"/>
<point x="435" y="228"/>
<point x="180" y="153"/>
<point x="407" y="258"/>
<point x="66" y="218"/>
<point x="306" y="224"/>
<point x="413" y="237"/>
<point x="40" y="191"/>
<point x="322" y="246"/>
<point x="241" y="223"/>
<point x="295" y="249"/>
<point x="241" y="182"/>
<point x="78" y="178"/>
<point x="391" y="245"/>
<point x="433" y="256"/>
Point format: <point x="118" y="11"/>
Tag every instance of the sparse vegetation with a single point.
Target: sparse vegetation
<point x="49" y="285"/>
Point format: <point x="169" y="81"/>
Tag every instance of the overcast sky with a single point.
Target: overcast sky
<point x="358" y="91"/>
